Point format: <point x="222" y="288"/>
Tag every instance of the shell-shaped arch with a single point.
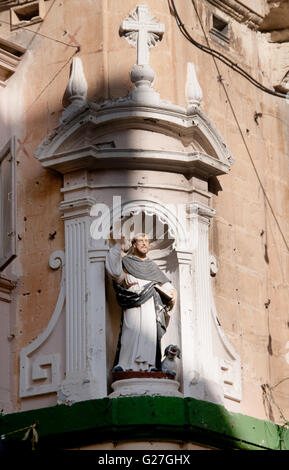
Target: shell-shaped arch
<point x="173" y="216"/>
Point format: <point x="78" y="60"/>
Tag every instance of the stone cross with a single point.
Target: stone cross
<point x="143" y="31"/>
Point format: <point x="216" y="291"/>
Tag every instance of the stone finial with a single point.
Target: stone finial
<point x="194" y="92"/>
<point x="76" y="90"/>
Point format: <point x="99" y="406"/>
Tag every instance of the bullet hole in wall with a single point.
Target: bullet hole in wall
<point x="256" y="117"/>
<point x="52" y="235"/>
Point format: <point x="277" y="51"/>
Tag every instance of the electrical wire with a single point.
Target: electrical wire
<point x="218" y="55"/>
<point x="51" y="39"/>
<point x="281" y="414"/>
<point x="239" y="126"/>
<point x="280" y="382"/>
<point x="42" y="23"/>
<point x="266" y="388"/>
<point x="51" y="81"/>
<point x="44" y="36"/>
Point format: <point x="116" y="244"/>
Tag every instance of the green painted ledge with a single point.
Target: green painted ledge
<point x="145" y="418"/>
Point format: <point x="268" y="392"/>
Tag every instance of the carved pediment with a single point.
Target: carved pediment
<point x="128" y="135"/>
<point x="240" y="12"/>
<point x="138" y="131"/>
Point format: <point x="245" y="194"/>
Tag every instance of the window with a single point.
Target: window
<point x="27" y="14"/>
<point x="7" y="205"/>
<point x="220" y="29"/>
<point x="6" y="4"/>
<point x="10" y="56"/>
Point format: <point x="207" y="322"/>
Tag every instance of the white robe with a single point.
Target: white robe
<point x="139" y="332"/>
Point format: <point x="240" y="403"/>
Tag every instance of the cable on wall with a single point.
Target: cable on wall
<point x="267" y="390"/>
<point x="44" y="36"/>
<point x="218" y="55"/>
<point x="234" y="114"/>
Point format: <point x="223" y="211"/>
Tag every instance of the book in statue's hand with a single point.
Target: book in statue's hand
<point x="165" y="290"/>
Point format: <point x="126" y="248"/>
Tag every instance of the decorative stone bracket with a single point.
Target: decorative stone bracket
<point x="6" y="286"/>
<point x="40" y="371"/>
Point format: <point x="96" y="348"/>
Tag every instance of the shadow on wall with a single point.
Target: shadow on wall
<point x="43" y="122"/>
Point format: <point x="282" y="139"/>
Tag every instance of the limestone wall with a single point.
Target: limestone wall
<point x="249" y="235"/>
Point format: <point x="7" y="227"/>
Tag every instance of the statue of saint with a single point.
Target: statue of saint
<point x="146" y="296"/>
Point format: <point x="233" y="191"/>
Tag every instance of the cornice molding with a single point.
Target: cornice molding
<point x="72" y="208"/>
<point x="6" y="286"/>
<point x="6" y="4"/>
<point x="61" y="153"/>
<point x="239" y="12"/>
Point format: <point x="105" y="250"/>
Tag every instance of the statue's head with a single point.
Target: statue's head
<point x="141" y="245"/>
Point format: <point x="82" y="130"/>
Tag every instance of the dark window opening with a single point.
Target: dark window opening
<point x="220" y="29"/>
<point x="29" y="13"/>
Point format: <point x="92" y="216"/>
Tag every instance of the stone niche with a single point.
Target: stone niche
<point x="135" y="156"/>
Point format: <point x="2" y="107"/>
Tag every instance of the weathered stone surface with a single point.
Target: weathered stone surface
<point x="253" y="268"/>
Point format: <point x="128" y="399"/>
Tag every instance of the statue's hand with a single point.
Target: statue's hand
<point x="118" y="239"/>
<point x="173" y="300"/>
<point x="121" y="240"/>
<point x="124" y="243"/>
<point x="115" y="235"/>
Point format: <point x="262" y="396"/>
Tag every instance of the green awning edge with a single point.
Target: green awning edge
<point x="146" y="418"/>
